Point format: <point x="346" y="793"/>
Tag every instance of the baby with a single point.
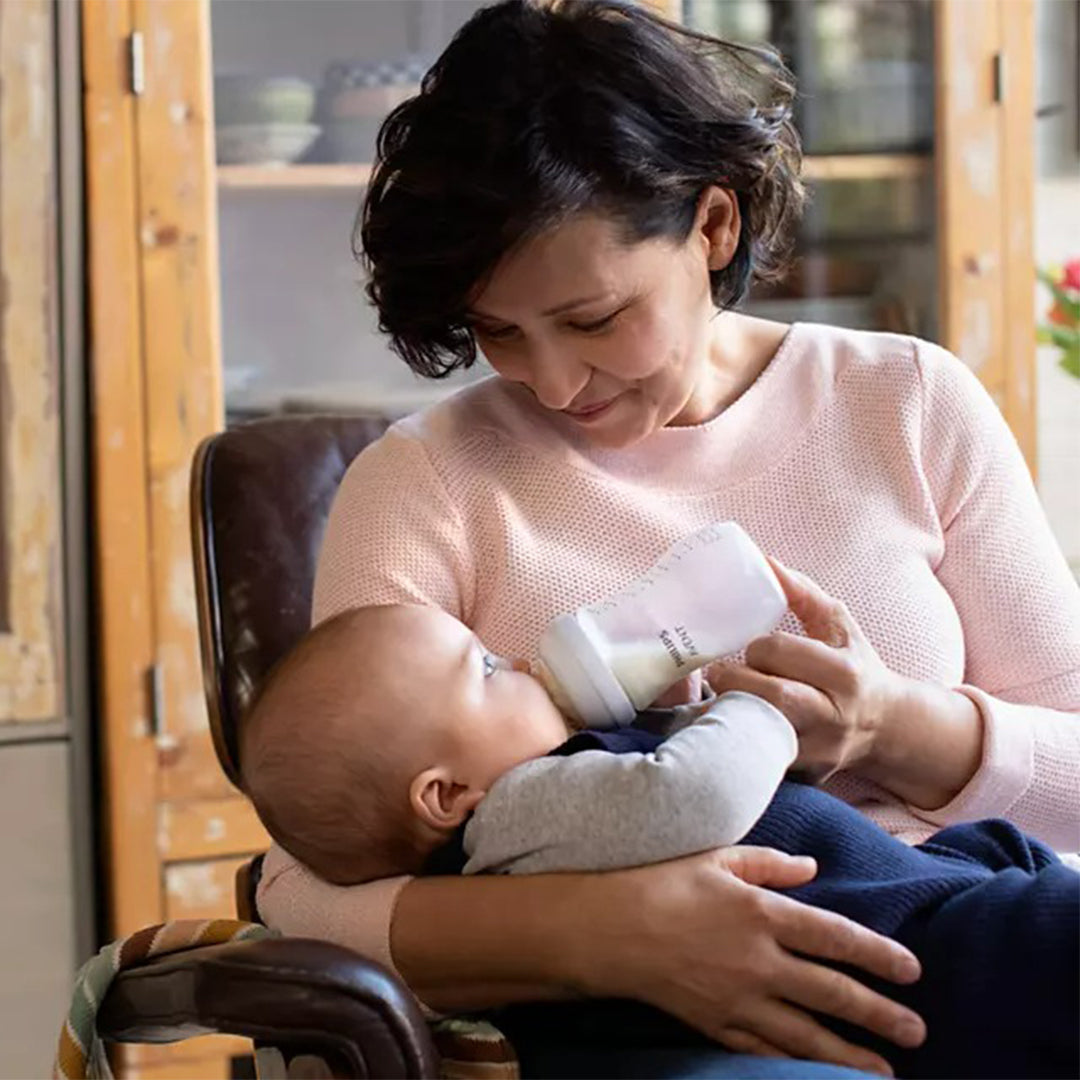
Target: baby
<point x="362" y="768"/>
<point x="381" y="733"/>
<point x="391" y="741"/>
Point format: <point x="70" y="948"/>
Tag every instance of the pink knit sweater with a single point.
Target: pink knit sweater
<point x="876" y="464"/>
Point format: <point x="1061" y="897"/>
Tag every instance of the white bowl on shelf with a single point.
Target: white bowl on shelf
<point x="263" y="144"/>
<point x="253" y="99"/>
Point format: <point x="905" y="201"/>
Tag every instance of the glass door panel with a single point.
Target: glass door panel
<point x="302" y="85"/>
<point x="300" y="88"/>
<point x="867" y="246"/>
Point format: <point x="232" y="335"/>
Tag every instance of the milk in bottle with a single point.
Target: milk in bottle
<point x="709" y="595"/>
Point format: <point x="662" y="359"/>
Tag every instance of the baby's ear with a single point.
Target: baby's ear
<point x="439" y="801"/>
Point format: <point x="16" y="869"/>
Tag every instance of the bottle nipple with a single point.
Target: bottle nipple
<point x="542" y="673"/>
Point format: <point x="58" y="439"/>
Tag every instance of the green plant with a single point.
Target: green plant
<point x="1062" y="325"/>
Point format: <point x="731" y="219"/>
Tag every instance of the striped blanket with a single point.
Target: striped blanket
<point x="80" y="1052"/>
<point x="468" y="1049"/>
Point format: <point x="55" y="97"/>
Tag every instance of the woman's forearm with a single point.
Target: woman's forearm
<point x="929" y="747"/>
<point x="478" y="942"/>
<point x="466" y="943"/>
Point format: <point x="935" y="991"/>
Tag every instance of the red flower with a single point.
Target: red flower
<point x="1071" y="278"/>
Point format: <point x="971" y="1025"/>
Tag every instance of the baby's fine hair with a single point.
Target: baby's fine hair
<point x="541" y="109"/>
<point x="312" y="762"/>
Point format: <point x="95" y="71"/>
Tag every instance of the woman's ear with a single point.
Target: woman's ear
<point x="439" y="801"/>
<point x="718" y="224"/>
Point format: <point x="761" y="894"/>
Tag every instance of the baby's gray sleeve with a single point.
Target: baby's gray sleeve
<point x="702" y="788"/>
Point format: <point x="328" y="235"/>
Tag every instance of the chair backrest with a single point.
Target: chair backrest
<point x="260" y="496"/>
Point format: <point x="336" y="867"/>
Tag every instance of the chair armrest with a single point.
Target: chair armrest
<point x="299" y="995"/>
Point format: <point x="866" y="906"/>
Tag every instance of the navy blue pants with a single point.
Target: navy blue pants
<point x="993" y="916"/>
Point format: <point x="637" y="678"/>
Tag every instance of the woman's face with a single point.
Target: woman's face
<point x="618" y="338"/>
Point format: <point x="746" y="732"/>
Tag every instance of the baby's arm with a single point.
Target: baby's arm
<point x="702" y="788"/>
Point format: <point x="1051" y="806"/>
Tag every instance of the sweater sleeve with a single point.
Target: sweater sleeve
<point x="291" y="899"/>
<point x="393" y="537"/>
<point x="1019" y="606"/>
<point x="703" y="788"/>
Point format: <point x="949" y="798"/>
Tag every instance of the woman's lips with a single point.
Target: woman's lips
<point x="590" y="412"/>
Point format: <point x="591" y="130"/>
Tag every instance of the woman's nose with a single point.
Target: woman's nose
<point x="557" y="379"/>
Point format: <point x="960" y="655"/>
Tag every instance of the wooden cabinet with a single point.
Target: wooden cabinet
<point x="229" y="290"/>
<point x="32" y="614"/>
<point x="46" y="843"/>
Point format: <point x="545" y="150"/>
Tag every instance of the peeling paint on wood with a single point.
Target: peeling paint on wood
<point x="201" y="890"/>
<point x="31" y="660"/>
<point x="196" y="886"/>
<point x="981" y="163"/>
<point x="189" y="769"/>
<point x="964" y="84"/>
<point x="207" y="828"/>
<point x="164" y="830"/>
<point x="977" y="341"/>
<point x="180" y="112"/>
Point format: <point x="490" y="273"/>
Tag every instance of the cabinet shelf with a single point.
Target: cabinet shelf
<point x="353" y="176"/>
<point x="866" y="166"/>
<point x="293" y="177"/>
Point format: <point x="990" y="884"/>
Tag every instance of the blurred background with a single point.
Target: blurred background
<point x="178" y="185"/>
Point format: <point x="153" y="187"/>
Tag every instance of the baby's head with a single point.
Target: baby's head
<point x="380" y="732"/>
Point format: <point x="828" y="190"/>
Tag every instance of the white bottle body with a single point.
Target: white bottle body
<point x="708" y="596"/>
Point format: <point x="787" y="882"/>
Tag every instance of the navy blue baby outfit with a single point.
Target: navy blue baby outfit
<point x="993" y="916"/>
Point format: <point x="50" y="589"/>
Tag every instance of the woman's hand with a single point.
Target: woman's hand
<point x="700" y="938"/>
<point x="921" y="741"/>
<point x="831" y="684"/>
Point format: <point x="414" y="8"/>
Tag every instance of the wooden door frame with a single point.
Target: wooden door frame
<point x="155" y="388"/>
<point x="123" y="598"/>
<point x="985" y="125"/>
<point x="176" y="180"/>
<point x="155" y="392"/>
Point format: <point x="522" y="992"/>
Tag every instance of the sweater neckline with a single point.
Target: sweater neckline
<point x="748" y="436"/>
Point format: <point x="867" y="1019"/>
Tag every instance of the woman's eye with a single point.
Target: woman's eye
<point x="491" y="665"/>
<point x="596" y="324"/>
<point x="500" y="333"/>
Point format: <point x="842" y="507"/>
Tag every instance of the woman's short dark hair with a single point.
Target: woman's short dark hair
<point x="539" y="109"/>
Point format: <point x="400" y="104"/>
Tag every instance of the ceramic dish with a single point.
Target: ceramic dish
<point x="264" y="144"/>
<point x="251" y="99"/>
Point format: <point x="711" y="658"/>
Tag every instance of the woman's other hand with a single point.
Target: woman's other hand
<point x="919" y="740"/>
<point x="705" y="939"/>
<point x="831" y="684"/>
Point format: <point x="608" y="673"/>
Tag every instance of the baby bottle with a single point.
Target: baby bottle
<point x="708" y="596"/>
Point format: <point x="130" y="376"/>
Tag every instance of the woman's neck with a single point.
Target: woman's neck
<point x="739" y="350"/>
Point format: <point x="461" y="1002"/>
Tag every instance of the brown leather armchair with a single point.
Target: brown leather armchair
<point x="260" y="495"/>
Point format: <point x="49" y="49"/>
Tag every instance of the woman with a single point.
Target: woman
<point x="586" y="194"/>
